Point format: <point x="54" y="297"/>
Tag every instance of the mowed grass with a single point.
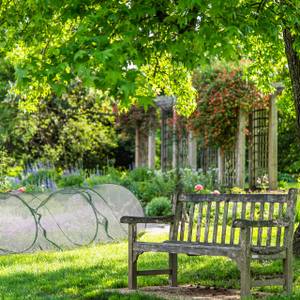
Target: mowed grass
<point x="86" y="272"/>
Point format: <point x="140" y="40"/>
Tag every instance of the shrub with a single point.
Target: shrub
<point x="191" y="178"/>
<point x="159" y="206"/>
<point x="286" y="177"/>
<point x="97" y="179"/>
<point x="75" y="180"/>
<point x="140" y="174"/>
<point x="282" y="184"/>
<point x="159" y="185"/>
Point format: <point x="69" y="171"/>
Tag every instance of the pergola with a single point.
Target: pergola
<point x="252" y="156"/>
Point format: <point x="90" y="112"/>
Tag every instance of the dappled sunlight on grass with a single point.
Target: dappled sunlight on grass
<point x="85" y="272"/>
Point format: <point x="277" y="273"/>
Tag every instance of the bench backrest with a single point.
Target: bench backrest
<point x="209" y="218"/>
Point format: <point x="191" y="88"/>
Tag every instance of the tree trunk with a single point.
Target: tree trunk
<point x="294" y="69"/>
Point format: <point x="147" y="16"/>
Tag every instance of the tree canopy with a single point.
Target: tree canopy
<point x="107" y="43"/>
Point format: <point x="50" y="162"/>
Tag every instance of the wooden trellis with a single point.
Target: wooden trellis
<point x="207" y="158"/>
<point x="258" y="146"/>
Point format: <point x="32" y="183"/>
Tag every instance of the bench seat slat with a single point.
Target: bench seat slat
<point x="193" y="248"/>
<point x="261" y="218"/>
<point x="199" y="221"/>
<point x="269" y="234"/>
<point x="191" y="221"/>
<point x="182" y="225"/>
<point x="188" y="248"/>
<point x="278" y="236"/>
<point x="224" y="224"/>
<point x="233" y="217"/>
<point x="207" y="222"/>
<point x="252" y="210"/>
<point x="243" y="214"/>
<point x="216" y="220"/>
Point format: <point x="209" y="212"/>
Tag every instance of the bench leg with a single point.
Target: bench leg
<point x="132" y="258"/>
<point x="132" y="272"/>
<point x="244" y="263"/>
<point x="245" y="278"/>
<point x="288" y="272"/>
<point x="173" y="267"/>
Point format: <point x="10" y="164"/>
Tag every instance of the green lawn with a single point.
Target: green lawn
<point x="84" y="273"/>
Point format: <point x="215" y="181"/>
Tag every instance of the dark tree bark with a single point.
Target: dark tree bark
<point x="294" y="69"/>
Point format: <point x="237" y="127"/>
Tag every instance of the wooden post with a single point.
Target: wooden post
<point x="273" y="144"/>
<point x="175" y="141"/>
<point x="221" y="165"/>
<point x="137" y="148"/>
<point x="241" y="149"/>
<point x="192" y="151"/>
<point x="163" y="146"/>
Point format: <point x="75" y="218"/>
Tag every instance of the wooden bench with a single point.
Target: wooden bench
<point x="241" y="227"/>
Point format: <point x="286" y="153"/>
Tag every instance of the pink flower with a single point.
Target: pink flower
<point x="199" y="187"/>
<point x="215" y="192"/>
<point x="21" y="189"/>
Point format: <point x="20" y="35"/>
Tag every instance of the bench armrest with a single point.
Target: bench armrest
<point x="158" y="220"/>
<point x="242" y="223"/>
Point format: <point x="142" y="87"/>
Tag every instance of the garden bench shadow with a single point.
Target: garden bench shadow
<point x="243" y="227"/>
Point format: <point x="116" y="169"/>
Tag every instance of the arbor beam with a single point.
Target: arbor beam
<point x="273" y="142"/>
<point x="137" y="161"/>
<point x="192" y="151"/>
<point x="241" y="149"/>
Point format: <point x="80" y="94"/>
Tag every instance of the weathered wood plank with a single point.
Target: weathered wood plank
<point x="191" y="221"/>
<point x="288" y="261"/>
<point x="189" y="248"/>
<point x="207" y="222"/>
<point x="243" y="215"/>
<point x="244" y="262"/>
<point x="154" y="272"/>
<point x="224" y="224"/>
<point x="136" y="220"/>
<point x="233" y="197"/>
<point x="173" y="265"/>
<point x="267" y="282"/>
<point x="182" y="225"/>
<point x="261" y="217"/>
<point x="252" y="211"/>
<point x="199" y="221"/>
<point x="132" y="260"/>
<point x="264" y="223"/>
<point x="278" y="236"/>
<point x="269" y="233"/>
<point x="216" y="220"/>
<point x="232" y="231"/>
<point x="281" y="255"/>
